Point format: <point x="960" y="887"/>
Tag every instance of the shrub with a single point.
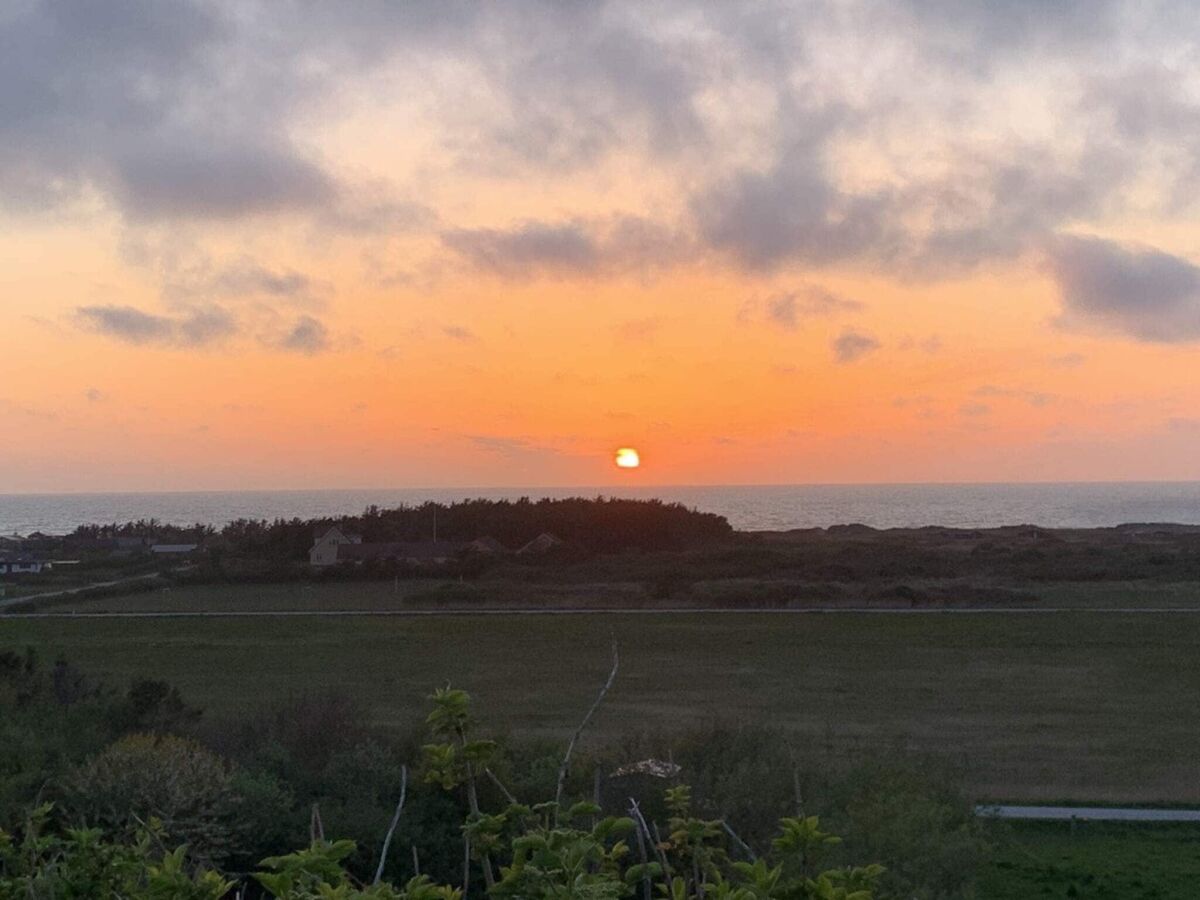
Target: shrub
<point x="187" y="788"/>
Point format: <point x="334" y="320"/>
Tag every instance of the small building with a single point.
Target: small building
<point x="324" y="551"/>
<point x="25" y="565"/>
<point x="543" y="543"/>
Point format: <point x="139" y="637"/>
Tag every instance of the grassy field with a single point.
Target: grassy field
<point x="1062" y="706"/>
<point x="1093" y="861"/>
<point x="443" y="593"/>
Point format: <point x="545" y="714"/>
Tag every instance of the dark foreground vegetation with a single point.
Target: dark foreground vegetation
<point x="100" y="786"/>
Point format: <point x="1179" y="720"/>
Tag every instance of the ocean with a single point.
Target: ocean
<point x="748" y="507"/>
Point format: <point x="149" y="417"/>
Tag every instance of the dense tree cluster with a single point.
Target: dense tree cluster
<point x="596" y="525"/>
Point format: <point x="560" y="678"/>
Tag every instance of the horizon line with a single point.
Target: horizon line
<point x="599" y="487"/>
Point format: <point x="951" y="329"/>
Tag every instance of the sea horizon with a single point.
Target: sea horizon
<point x="753" y="507"/>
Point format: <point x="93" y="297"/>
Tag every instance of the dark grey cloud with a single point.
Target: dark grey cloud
<point x="194" y="328"/>
<point x="851" y="346"/>
<point x="792" y="213"/>
<point x="184" y="110"/>
<point x="143" y="102"/>
<point x="575" y="248"/>
<point x="1136" y="291"/>
<point x="306" y="335"/>
<point x="207" y="110"/>
<point x="531" y="248"/>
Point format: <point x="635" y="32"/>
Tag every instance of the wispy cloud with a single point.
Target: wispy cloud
<point x="197" y="327"/>
<point x="851" y="346"/>
<point x="307" y="335"/>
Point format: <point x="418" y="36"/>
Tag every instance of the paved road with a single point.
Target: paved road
<point x="1093" y="813"/>
<point x="583" y="611"/>
<point x="9" y="602"/>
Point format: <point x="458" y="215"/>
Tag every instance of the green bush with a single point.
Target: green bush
<point x="185" y="787"/>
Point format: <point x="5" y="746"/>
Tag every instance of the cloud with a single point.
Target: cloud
<point x="851" y="346"/>
<point x="95" y="395"/>
<point x="1033" y="398"/>
<point x="788" y="309"/>
<point x="1137" y="291"/>
<point x="458" y="333"/>
<point x="241" y="279"/>
<point x="576" y="248"/>
<point x="163" y="109"/>
<point x="791" y="213"/>
<point x="975" y="410"/>
<point x="194" y="328"/>
<point x="307" y="336"/>
<point x="771" y="145"/>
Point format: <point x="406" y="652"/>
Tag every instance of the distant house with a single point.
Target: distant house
<point x="336" y="545"/>
<point x="324" y="551"/>
<point x="24" y="565"/>
<point x="543" y="543"/>
<point x="174" y="549"/>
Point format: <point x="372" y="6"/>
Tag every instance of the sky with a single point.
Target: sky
<point x="301" y="244"/>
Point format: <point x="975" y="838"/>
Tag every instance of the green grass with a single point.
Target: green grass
<point x="1099" y="707"/>
<point x="489" y="593"/>
<point x="1096" y="861"/>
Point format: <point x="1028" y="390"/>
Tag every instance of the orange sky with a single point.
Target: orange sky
<point x="781" y="243"/>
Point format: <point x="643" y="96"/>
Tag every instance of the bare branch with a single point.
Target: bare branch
<point x="496" y="781"/>
<point x="562" y="770"/>
<point x="796" y="781"/>
<point x="641" y="840"/>
<point x="737" y="840"/>
<point x="316" y="831"/>
<point x="387" y="841"/>
<point x="466" y="864"/>
<point x="655" y="842"/>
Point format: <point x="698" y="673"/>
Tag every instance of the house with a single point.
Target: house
<point x="324" y="551"/>
<point x="24" y="565"/>
<point x="543" y="543"/>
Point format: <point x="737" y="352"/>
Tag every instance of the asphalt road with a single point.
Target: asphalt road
<point x="585" y="611"/>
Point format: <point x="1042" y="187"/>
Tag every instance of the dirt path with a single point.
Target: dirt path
<point x="1090" y="813"/>
<point x="10" y="602"/>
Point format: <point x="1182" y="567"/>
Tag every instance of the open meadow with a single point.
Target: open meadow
<point x="1073" y="705"/>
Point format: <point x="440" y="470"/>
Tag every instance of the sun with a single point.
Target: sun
<point x="627" y="458"/>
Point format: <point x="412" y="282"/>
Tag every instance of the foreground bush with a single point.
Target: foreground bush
<point x="149" y="791"/>
<point x="185" y="787"/>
